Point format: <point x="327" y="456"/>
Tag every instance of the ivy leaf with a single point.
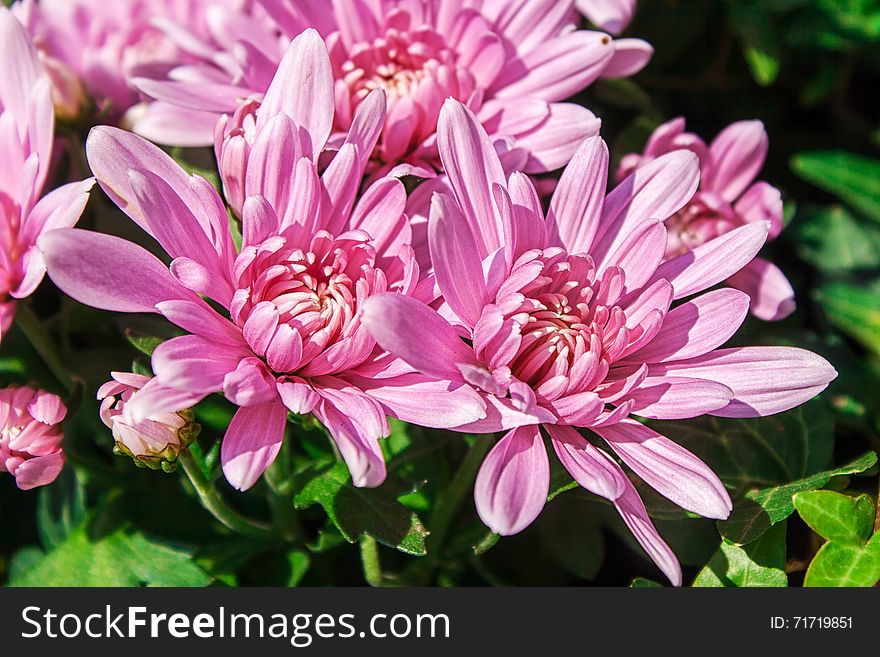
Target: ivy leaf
<point x="146" y="344"/>
<point x="760" y="42"/>
<point x="299" y="562"/>
<point x="853" y="178"/>
<point x="758" y="564"/>
<point x="579" y="546"/>
<point x="854" y="310"/>
<point x="835" y="516"/>
<point x="851" y="556"/>
<point x="760" y="509"/>
<point x="376" y="512"/>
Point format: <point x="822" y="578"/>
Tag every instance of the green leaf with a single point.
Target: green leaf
<point x="642" y="583"/>
<point x="120" y="558"/>
<point x="853" y="178"/>
<point x="844" y="564"/>
<point x="146" y="344"/>
<point x="376" y="512"/>
<point x="760" y="452"/>
<point x="299" y="561"/>
<point x="832" y="240"/>
<point x="579" y="546"/>
<point x="851" y="557"/>
<point x="854" y="310"/>
<point x="758" y="564"/>
<point x="835" y="516"/>
<point x="758" y="510"/>
<point x="60" y="508"/>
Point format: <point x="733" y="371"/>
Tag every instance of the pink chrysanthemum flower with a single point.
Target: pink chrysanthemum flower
<point x="289" y="336"/>
<point x="728" y="198"/>
<point x="568" y="322"/>
<point x="91" y="47"/>
<point x="155" y="441"/>
<point x="610" y="15"/>
<point x="30" y="436"/>
<point x="26" y="136"/>
<point x="511" y="62"/>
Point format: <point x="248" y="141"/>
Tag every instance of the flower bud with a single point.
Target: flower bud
<point x="153" y="442"/>
<point x="233" y="138"/>
<point x="30" y="435"/>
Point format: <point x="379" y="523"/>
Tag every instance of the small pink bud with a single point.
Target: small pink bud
<point x="153" y="442"/>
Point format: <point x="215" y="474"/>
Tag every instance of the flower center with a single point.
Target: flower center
<point x="563" y="313"/>
<point x="316" y="293"/>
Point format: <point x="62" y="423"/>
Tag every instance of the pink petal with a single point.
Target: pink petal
<point x="772" y="297"/>
<point x="297" y="395"/>
<point x="249" y="384"/>
<point x="252" y="442"/>
<point x="513" y="482"/>
<point x="761" y="202"/>
<point x="579" y="197"/>
<point x="425" y="400"/>
<point x="47" y="408"/>
<point x="359" y="448"/>
<point x="677" y="398"/>
<point x="609" y="15"/>
<point x="639" y="254"/>
<point x="560" y="68"/>
<point x="714" y="261"/>
<point x="736" y="155"/>
<point x="39" y="471"/>
<point x="303" y="89"/>
<point x="553" y="142"/>
<point x="457" y="263"/>
<point x="764" y="380"/>
<point x="630" y="57"/>
<point x="655" y="191"/>
<point x="192" y="363"/>
<point x="667" y="467"/>
<point x="108" y="272"/>
<point x="696" y="327"/>
<point x="416" y="333"/>
<point x="472" y="166"/>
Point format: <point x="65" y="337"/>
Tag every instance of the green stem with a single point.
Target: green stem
<point x="459" y="488"/>
<point x="281" y="497"/>
<point x="44" y="346"/>
<point x="370" y="561"/>
<point x="212" y="501"/>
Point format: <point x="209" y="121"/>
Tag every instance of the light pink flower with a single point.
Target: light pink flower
<point x="30" y="436"/>
<point x="154" y="441"/>
<point x="91" y="47"/>
<point x="26" y="135"/>
<point x="568" y="322"/>
<point x="512" y="62"/>
<point x="610" y="15"/>
<point x="728" y="198"/>
<point x="290" y="335"/>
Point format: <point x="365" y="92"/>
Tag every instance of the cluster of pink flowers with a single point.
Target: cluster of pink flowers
<point x="489" y="314"/>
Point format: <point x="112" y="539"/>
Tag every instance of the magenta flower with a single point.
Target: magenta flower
<point x="610" y="15"/>
<point x="154" y="441"/>
<point x="728" y="198"/>
<point x="90" y="48"/>
<point x="510" y="62"/>
<point x="30" y="436"/>
<point x="26" y="136"/>
<point x="568" y="322"/>
<point x="290" y="336"/>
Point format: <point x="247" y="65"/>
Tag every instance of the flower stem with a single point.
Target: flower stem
<point x="212" y="501"/>
<point x="44" y="346"/>
<point x="449" y="503"/>
<point x="370" y="561"/>
<point x="280" y="486"/>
